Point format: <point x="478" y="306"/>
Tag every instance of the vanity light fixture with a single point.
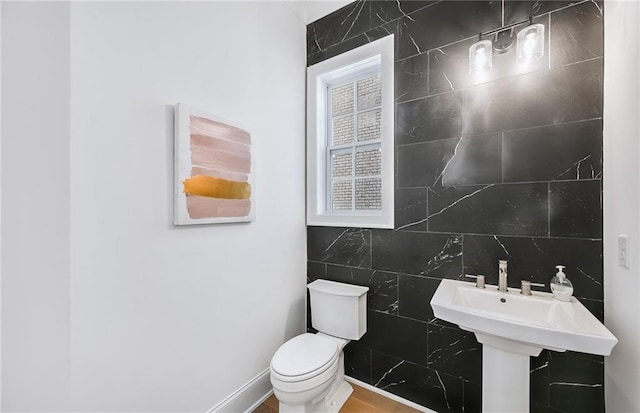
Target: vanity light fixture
<point x="480" y="56"/>
<point x="530" y="45"/>
<point x="530" y="42"/>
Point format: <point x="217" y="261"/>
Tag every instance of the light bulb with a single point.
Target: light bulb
<point x="530" y="43"/>
<point x="480" y="57"/>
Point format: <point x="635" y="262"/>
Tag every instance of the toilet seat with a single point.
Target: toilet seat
<point x="304" y="357"/>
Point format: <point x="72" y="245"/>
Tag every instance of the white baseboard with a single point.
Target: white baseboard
<point x="247" y="397"/>
<point x="389" y="395"/>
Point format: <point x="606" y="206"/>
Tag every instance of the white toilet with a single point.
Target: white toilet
<point x="307" y="372"/>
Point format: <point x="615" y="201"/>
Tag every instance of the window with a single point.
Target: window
<point x="350" y="138"/>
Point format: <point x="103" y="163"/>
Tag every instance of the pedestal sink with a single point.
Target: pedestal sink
<point x="512" y="327"/>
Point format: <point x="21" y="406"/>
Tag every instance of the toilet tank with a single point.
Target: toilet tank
<point x="339" y="309"/>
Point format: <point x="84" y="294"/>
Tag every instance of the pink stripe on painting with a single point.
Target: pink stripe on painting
<point x="218" y="144"/>
<point x="211" y="158"/>
<point x="207" y="127"/>
<point x="219" y="173"/>
<point x="199" y="207"/>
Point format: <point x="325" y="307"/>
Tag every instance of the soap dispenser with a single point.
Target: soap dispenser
<point x="561" y="287"/>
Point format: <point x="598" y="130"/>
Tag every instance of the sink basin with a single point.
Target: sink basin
<point x="512" y="327"/>
<point x="518" y="323"/>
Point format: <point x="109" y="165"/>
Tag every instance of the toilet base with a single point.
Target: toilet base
<point x="336" y="399"/>
<point x="332" y="402"/>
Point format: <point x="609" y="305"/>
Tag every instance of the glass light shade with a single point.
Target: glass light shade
<point x="480" y="57"/>
<point x="530" y="43"/>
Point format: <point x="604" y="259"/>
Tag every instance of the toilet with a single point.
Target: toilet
<point x="307" y="372"/>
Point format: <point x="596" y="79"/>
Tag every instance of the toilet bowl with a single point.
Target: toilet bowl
<point x="307" y="372"/>
<point x="303" y="369"/>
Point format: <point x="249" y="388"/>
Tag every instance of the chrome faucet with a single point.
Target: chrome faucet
<point x="502" y="276"/>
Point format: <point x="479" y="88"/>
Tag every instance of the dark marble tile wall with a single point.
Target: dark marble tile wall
<point x="505" y="167"/>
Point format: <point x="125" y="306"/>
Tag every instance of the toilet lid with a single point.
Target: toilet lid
<point x="304" y="354"/>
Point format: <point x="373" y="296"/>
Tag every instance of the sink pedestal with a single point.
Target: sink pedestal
<point x="505" y="381"/>
<point x="505" y="374"/>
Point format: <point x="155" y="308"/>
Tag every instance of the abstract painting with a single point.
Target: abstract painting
<point x="214" y="170"/>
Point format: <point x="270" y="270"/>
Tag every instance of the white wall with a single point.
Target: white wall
<point x="164" y="318"/>
<point x="0" y="207"/>
<point x="312" y="10"/>
<point x="35" y="209"/>
<point x="622" y="202"/>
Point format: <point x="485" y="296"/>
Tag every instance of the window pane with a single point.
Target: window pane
<point x="368" y="161"/>
<point x="342" y="100"/>
<point x="341" y="164"/>
<point x="369" y="92"/>
<point x="341" y="195"/>
<point x="369" y="125"/>
<point x="343" y="130"/>
<point x="369" y="194"/>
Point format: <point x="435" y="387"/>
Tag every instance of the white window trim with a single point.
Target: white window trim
<point x="379" y="52"/>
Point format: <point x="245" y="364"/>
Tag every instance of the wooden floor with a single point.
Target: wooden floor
<point x="360" y="401"/>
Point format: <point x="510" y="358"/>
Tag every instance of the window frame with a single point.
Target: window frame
<point x="342" y="68"/>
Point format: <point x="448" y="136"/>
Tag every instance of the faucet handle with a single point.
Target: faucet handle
<point x="479" y="279"/>
<point x="525" y="287"/>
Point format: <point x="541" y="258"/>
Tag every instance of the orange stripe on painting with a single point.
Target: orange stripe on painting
<point x="211" y="187"/>
<point x="207" y="127"/>
<point x="201" y="207"/>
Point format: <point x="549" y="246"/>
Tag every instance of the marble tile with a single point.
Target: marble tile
<point x="429" y="119"/>
<point x="315" y="270"/>
<point x="540" y="408"/>
<point x="577" y="34"/>
<point x="576" y="382"/>
<point x="576" y="209"/>
<point x="534" y="259"/>
<point x="459" y="161"/>
<point x="455" y="352"/>
<point x="563" y="95"/>
<point x="351" y="43"/>
<point x="427" y="387"/>
<point x="345" y="23"/>
<point x="411" y="209"/>
<point x="386" y="11"/>
<point x="317" y="57"/>
<point x="519" y="10"/>
<point x="558" y="152"/>
<point x="433" y="255"/>
<point x="357" y="362"/>
<point x="514" y="209"/>
<point x="383" y="286"/>
<point x="399" y="337"/>
<point x="595" y="306"/>
<point x="415" y="293"/>
<point x="539" y="379"/>
<point x="449" y="65"/>
<point x="411" y="78"/>
<point x="445" y="22"/>
<point x="346" y="246"/>
<point x="423" y="164"/>
<point x="476" y="160"/>
<point x="472" y="397"/>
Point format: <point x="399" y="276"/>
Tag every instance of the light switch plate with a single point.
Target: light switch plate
<point x="623" y="250"/>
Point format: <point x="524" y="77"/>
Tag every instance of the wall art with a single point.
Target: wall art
<point x="214" y="170"/>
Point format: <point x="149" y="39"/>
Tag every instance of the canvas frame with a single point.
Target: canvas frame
<point x="185" y="165"/>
